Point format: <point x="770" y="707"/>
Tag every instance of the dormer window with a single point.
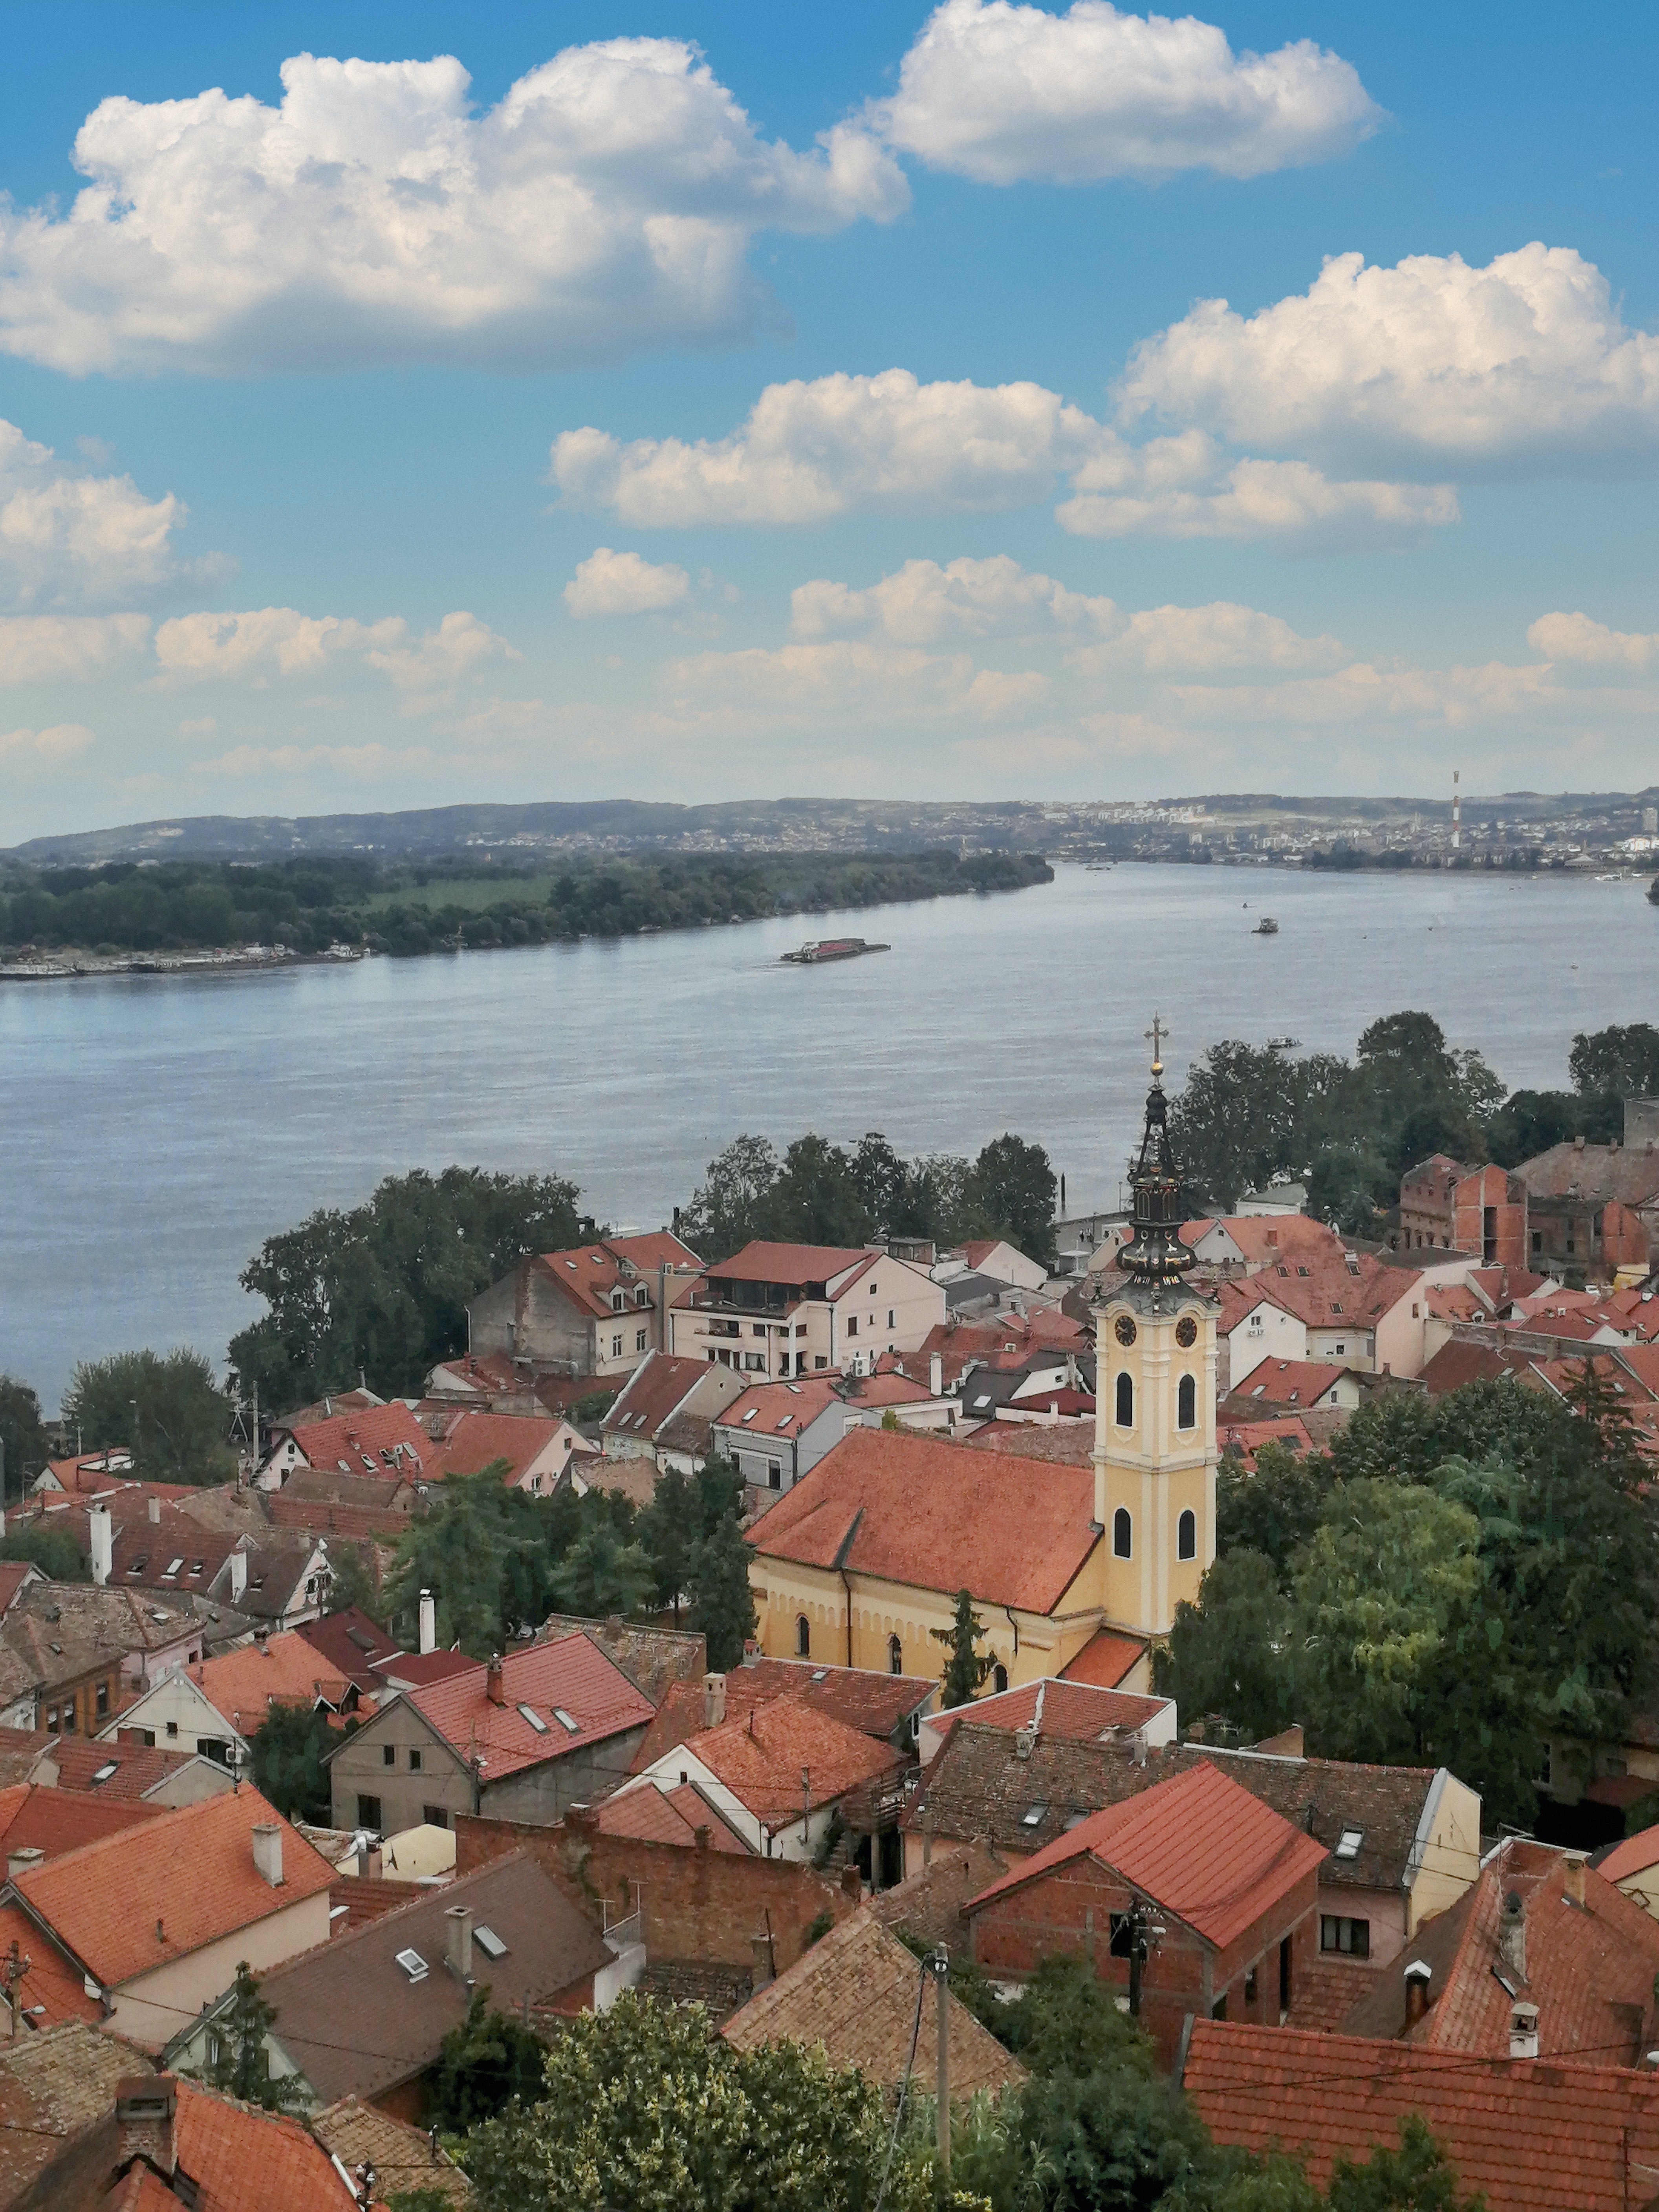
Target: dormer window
<point x="641" y="1296"/>
<point x="618" y="1300"/>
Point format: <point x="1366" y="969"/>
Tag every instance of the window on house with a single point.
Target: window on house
<point x="1032" y="1816"/>
<point x="173" y="1729"/>
<point x="752" y="1360"/>
<point x="51" y="1718"/>
<point x="1125" y="1401"/>
<point x="819" y="1360"/>
<point x="1122" y="1534"/>
<point x="895" y="1655"/>
<point x="1537" y="1240"/>
<point x="1121" y="1935"/>
<point x="1348" y="1843"/>
<point x="434" y="1816"/>
<point x="758" y="1328"/>
<point x="641" y="1296"/>
<point x="1186" y="1536"/>
<point x="388" y="1755"/>
<point x="1250" y="1987"/>
<point x="803" y="1637"/>
<point x="369" y="1812"/>
<point x="852" y="1323"/>
<point x="1349" y="1939"/>
<point x="998" y="1679"/>
<point x="1186" y="1402"/>
<point x="891" y="1323"/>
<point x="639" y="1341"/>
<point x="414" y="1760"/>
<point x="618" y="1300"/>
<point x="103" y="1700"/>
<point x="774" y="1474"/>
<point x="1218" y="2009"/>
<point x="615" y="1347"/>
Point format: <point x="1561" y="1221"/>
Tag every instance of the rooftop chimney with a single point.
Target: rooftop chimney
<point x="428" y="1623"/>
<point x="103" y="1546"/>
<point x="238" y="1574"/>
<point x="154" y="1506"/>
<point x="762" y="1972"/>
<point x="1512" y="1933"/>
<point x="22" y="1861"/>
<point x="493" y="1686"/>
<point x="457" y="1943"/>
<point x="1418" y="1977"/>
<point x="936" y="1374"/>
<point x="144" y="2107"/>
<point x="268" y="1851"/>
<point x="1572" y="1876"/>
<point x="1523" y="2030"/>
<point x="714" y="1700"/>
<point x="1138" y="1744"/>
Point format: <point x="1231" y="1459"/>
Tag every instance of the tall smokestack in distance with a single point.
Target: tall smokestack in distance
<point x="1457" y="810"/>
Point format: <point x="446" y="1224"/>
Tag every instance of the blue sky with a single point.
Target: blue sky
<point x="706" y="401"/>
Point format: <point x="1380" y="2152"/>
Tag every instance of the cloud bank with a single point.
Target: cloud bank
<point x="71" y="539"/>
<point x="609" y="583"/>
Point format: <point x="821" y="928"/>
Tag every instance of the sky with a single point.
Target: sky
<point x="661" y="399"/>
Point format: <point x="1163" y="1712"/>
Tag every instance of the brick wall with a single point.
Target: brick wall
<point x="694" y="1904"/>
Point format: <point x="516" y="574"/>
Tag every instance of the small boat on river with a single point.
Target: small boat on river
<point x="833" y="948"/>
<point x="1266" y="927"/>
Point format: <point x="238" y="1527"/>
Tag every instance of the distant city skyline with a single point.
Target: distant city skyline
<point x="406" y="407"/>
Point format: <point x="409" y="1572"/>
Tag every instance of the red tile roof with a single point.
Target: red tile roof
<point x="350" y="1644"/>
<point x="52" y="1820"/>
<point x="1106" y="1658"/>
<point x="1291" y="1382"/>
<point x="907" y="1510"/>
<point x="194" y="1873"/>
<point x="1635" y="1855"/>
<point x="1198" y="1845"/>
<point x="874" y="1703"/>
<point x="587" y="1273"/>
<point x="53" y="1982"/>
<point x="570" y="1673"/>
<point x="284" y="1669"/>
<point x="1335" y="1294"/>
<point x="385" y="1441"/>
<point x="778" y="1409"/>
<point x="653" y="1392"/>
<point x="759" y="1758"/>
<point x="14" y="1573"/>
<point x="1532" y="2136"/>
<point x="660" y="1815"/>
<point x="138" y="1766"/>
<point x="1246" y="1438"/>
<point x="1080" y="1710"/>
<point x="417" y="1670"/>
<point x="472" y="1440"/>
<point x="246" y="2160"/>
<point x="797" y="1264"/>
<point x="891" y="1387"/>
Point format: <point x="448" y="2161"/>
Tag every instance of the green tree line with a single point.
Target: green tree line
<point x="1247" y="1115"/>
<point x="413" y="907"/>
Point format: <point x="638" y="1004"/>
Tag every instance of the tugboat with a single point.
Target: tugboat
<point x="833" y="948"/>
<point x="1266" y="927"/>
<point x="1283" y="1043"/>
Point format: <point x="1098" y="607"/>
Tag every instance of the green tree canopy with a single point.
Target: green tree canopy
<point x="1228" y="1654"/>
<point x="165" y="1406"/>
<point x="23" y="1433"/>
<point x="484" y="2061"/>
<point x="289" y="1748"/>
<point x="1274" y="1509"/>
<point x="966" y="1668"/>
<point x="379" y="1294"/>
<point x="1623" y="1061"/>
<point x="54" y="1551"/>
<point x="1011" y="1191"/>
<point x="723" y="1601"/>
<point x="240" y="2063"/>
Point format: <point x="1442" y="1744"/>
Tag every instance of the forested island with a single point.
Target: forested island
<point x="310" y="907"/>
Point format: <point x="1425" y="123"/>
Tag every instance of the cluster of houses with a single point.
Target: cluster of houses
<point x="1314" y="1946"/>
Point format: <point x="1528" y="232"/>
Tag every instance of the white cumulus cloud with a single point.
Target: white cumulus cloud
<point x="606" y="204"/>
<point x="838" y="445"/>
<point x="278" y="641"/>
<point x="1290" y="502"/>
<point x="1428" y="367"/>
<point x="72" y="539"/>
<point x="35" y="647"/>
<point x="609" y="583"/>
<point x="1577" y="638"/>
<point x="922" y="602"/>
<point x="60" y="743"/>
<point x="998" y="93"/>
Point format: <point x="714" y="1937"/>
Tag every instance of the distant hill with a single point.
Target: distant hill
<point x="621" y="825"/>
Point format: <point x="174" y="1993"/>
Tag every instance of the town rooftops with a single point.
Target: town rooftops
<point x="55" y="1631"/>
<point x="370" y="2009"/>
<point x="877" y="1705"/>
<point x="467" y="1440"/>
<point x="123" y="1912"/>
<point x="660" y="1813"/>
<point x="551" y="1698"/>
<point x="384" y="1441"/>
<point x="1635" y="1855"/>
<point x="1197" y="1844"/>
<point x="777" y="1410"/>
<point x="1585" y="1954"/>
<point x="853" y="1993"/>
<point x="654" y="1659"/>
<point x="589" y="1273"/>
<point x="350" y="1644"/>
<point x="1080" y="1710"/>
<point x="1106" y="1659"/>
<point x="406" y="2159"/>
<point x="1061" y="1443"/>
<point x="54" y="2085"/>
<point x="656" y="1390"/>
<point x="34" y="1818"/>
<point x="1532" y="2137"/>
<point x="284" y="1669"/>
<point x="126" y="1772"/>
<point x="906" y="1509"/>
<point x="1627" y="1173"/>
<point x="1299" y="1383"/>
<point x="759" y="1757"/>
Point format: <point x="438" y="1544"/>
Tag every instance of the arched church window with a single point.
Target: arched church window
<point x="803" y="1637"/>
<point x="1121" y="1534"/>
<point x="999" y="1679"/>
<point x="895" y="1655"/>
<point x="1186" y="1402"/>
<point x="1125" y="1401"/>
<point x="1186" y="1536"/>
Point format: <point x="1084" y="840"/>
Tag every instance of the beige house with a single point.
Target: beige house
<point x="155" y="1933"/>
<point x="776" y="1310"/>
<point x="595" y="1309"/>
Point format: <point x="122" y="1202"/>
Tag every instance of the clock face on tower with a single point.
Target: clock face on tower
<point x="1186" y="1331"/>
<point x="1124" y="1329"/>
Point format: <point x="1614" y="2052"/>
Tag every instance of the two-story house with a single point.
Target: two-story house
<point x="775" y="1310"/>
<point x="596" y="1309"/>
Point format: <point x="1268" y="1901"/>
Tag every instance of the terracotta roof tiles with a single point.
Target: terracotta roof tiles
<point x="759" y="1756"/>
<point x="663" y="1815"/>
<point x="55" y="1820"/>
<point x="571" y="1675"/>
<point x="382" y="1441"/>
<point x="284" y="1669"/>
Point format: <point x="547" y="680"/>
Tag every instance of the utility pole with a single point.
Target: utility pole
<point x="806" y="1803"/>
<point x="1143" y="1933"/>
<point x="940" y="1966"/>
<point x="13" y="1968"/>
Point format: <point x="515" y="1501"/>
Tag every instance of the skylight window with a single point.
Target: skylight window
<point x="566" y="1721"/>
<point x="1032" y="1816"/>
<point x="172" y="1567"/>
<point x="529" y="1713"/>
<point x="490" y="1942"/>
<point x="785" y="1422"/>
<point x="751" y="1414"/>
<point x="413" y="1964"/>
<point x="103" y="1773"/>
<point x="818" y="1674"/>
<point x="1348" y="1843"/>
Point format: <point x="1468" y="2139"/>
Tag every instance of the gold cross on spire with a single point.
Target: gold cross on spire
<point x="1155" y="1037"/>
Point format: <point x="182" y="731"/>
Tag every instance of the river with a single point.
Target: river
<point x="157" y="1128"/>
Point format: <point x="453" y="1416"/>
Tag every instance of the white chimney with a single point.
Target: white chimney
<point x="1512" y="1934"/>
<point x="268" y="1851"/>
<point x="103" y="1543"/>
<point x="428" y="1623"/>
<point x="238" y="1574"/>
<point x="154" y="1506"/>
<point x="936" y="1374"/>
<point x="457" y="1943"/>
<point x="714" y="1700"/>
<point x="1523" y="2030"/>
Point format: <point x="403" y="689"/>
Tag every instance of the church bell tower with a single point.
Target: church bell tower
<point x="1155" y="1448"/>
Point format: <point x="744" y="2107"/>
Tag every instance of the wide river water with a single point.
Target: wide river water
<point x="156" y="1129"/>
